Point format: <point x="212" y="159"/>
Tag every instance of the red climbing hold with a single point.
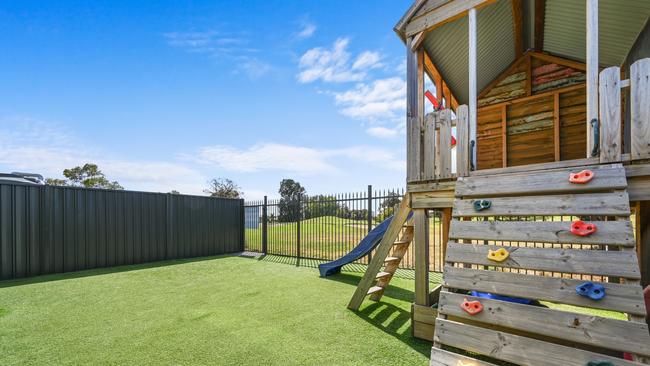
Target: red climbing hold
<point x="472" y="307"/>
<point x="582" y="177"/>
<point x="582" y="228"/>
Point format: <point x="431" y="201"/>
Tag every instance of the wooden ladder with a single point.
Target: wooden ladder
<point x="532" y="335"/>
<point x="387" y="257"/>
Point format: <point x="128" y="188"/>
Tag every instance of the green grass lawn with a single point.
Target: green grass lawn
<point x="226" y="310"/>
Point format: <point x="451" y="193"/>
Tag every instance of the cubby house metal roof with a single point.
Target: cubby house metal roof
<point x="446" y="40"/>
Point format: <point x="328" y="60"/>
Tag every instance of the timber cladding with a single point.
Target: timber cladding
<point x="535" y="112"/>
<point x="46" y="229"/>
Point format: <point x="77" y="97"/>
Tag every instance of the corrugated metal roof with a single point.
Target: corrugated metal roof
<point x="447" y="46"/>
<point x="620" y="22"/>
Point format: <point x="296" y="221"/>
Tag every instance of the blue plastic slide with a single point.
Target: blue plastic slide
<point x="366" y="245"/>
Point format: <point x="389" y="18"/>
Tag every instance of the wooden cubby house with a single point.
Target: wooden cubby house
<point x="532" y="91"/>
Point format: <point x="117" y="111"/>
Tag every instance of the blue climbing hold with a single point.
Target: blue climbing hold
<point x="600" y="363"/>
<point x="591" y="290"/>
<point x="480" y="205"/>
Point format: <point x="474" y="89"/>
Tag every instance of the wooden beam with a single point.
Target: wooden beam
<point x="540" y="15"/>
<point x="462" y="144"/>
<point x="443" y="91"/>
<point x="592" y="71"/>
<point x="417" y="41"/>
<point x="472" y="80"/>
<point x="443" y="14"/>
<point x="556" y="125"/>
<point x="518" y="25"/>
<point x="421" y="253"/>
<point x="504" y="136"/>
<point x="643" y="237"/>
<point x="544" y="56"/>
<point x="413" y="124"/>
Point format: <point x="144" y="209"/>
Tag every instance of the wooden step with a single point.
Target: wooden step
<point x="375" y="289"/>
<point x="391" y="259"/>
<point x="383" y="274"/>
<point x="402" y="242"/>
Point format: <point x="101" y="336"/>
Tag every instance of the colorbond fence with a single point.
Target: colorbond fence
<point x="46" y="229"/>
<point x="326" y="227"/>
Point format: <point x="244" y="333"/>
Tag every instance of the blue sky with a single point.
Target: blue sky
<point x="166" y="95"/>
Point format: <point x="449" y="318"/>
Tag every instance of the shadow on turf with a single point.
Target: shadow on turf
<point x="104" y="270"/>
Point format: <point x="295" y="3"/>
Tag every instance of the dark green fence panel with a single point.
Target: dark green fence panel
<point x="46" y="229"/>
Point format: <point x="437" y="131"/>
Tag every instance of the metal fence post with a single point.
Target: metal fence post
<point x="369" y="216"/>
<point x="265" y="220"/>
<point x="242" y="223"/>
<point x="298" y="230"/>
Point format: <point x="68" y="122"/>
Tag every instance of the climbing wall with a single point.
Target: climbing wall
<point x="560" y="266"/>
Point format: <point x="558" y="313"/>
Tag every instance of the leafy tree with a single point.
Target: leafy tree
<point x="291" y="192"/>
<point x="387" y="207"/>
<point x="56" y="182"/>
<point x="321" y="205"/>
<point x="224" y="188"/>
<point x="173" y="191"/>
<point x="88" y="176"/>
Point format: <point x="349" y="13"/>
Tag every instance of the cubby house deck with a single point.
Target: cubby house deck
<point x="531" y="92"/>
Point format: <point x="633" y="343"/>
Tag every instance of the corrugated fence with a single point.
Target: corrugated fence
<point x="46" y="229"/>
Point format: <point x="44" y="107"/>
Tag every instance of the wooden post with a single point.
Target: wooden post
<point x="504" y="135"/>
<point x="592" y="71"/>
<point x="556" y="126"/>
<point x="443" y="118"/>
<point x="462" y="141"/>
<point x="610" y="115"/>
<point x="446" y="221"/>
<point x="640" y="109"/>
<point x="429" y="146"/>
<point x="472" y="81"/>
<point x="421" y="252"/>
<point x="413" y="123"/>
<point x="643" y="240"/>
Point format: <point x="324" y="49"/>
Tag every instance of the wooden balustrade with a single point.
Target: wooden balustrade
<point x="611" y="137"/>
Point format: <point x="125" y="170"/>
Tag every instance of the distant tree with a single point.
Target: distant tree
<point x="321" y="205"/>
<point x="88" y="176"/>
<point x="56" y="182"/>
<point x="224" y="188"/>
<point x="173" y="191"/>
<point x="291" y="192"/>
<point x="387" y="207"/>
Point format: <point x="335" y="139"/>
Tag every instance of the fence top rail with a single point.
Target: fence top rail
<point x="119" y="191"/>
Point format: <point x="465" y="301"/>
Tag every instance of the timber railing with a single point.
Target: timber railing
<point x="611" y="128"/>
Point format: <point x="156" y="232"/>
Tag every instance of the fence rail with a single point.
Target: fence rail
<point x="325" y="227"/>
<point x="47" y="229"/>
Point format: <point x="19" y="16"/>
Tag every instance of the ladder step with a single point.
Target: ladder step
<point x="402" y="242"/>
<point x="383" y="274"/>
<point x="374" y="289"/>
<point x="391" y="259"/>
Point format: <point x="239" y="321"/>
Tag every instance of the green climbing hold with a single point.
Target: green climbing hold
<point x="480" y="205"/>
<point x="600" y="363"/>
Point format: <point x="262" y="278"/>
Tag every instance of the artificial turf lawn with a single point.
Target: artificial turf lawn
<point x="226" y="310"/>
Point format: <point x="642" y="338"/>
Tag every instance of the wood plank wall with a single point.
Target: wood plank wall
<point x="533" y="113"/>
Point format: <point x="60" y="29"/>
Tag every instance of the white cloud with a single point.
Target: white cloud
<point x="382" y="132"/>
<point x="334" y="64"/>
<point x="45" y="148"/>
<point x="308" y="30"/>
<point x="253" y="67"/>
<point x="222" y="47"/>
<point x="293" y="159"/>
<point x="367" y="60"/>
<point x="381" y="100"/>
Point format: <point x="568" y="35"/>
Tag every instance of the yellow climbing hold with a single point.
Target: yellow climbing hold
<point x="498" y="255"/>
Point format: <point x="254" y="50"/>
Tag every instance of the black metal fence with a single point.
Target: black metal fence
<point x="325" y="227"/>
<point x="46" y="229"/>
